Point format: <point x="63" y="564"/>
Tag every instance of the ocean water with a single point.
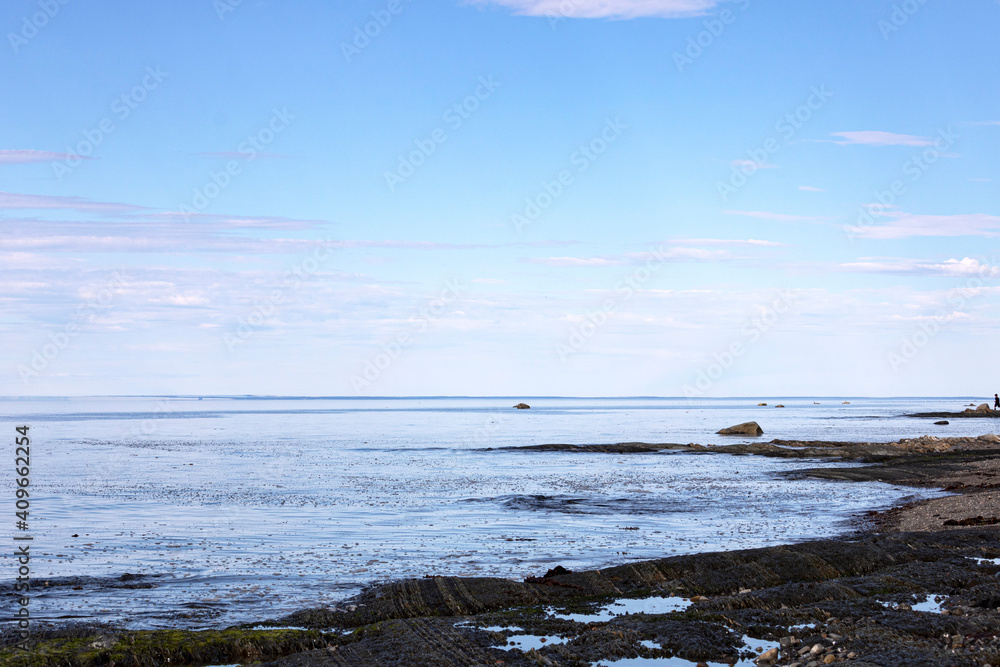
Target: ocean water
<point x="239" y="509"/>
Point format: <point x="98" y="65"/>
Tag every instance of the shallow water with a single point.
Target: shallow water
<point x="246" y="509"/>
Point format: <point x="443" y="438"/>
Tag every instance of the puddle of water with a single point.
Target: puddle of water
<point x="988" y="561"/>
<point x="525" y="642"/>
<point x="660" y="662"/>
<point x="624" y="606"/>
<point x="528" y="642"/>
<point x="931" y="605"/>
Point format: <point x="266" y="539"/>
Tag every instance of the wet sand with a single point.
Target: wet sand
<point x="916" y="585"/>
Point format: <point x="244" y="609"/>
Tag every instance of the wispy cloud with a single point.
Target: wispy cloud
<point x="236" y="155"/>
<point x="952" y="267"/>
<point x="730" y="242"/>
<point x="809" y="188"/>
<point x="780" y="217"/>
<point x="752" y="163"/>
<point x="11" y="200"/>
<point x="567" y="262"/>
<point x="877" y="138"/>
<point x="618" y="9"/>
<point x="28" y="156"/>
<point x="905" y="225"/>
<point x="985" y="123"/>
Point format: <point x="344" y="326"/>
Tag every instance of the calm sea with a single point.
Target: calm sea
<point x="246" y="508"/>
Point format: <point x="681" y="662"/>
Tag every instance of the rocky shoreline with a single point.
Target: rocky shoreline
<point x="916" y="585"/>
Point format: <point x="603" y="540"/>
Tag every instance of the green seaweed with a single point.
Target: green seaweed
<point x="159" y="647"/>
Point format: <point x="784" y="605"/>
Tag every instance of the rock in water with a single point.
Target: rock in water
<point x="941" y="423"/>
<point x="984" y="407"/>
<point x="748" y="428"/>
<point x="779" y="405"/>
<point x="760" y="404"/>
<point x="522" y="406"/>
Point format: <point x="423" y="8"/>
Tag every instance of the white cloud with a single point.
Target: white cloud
<point x="877" y="138"/>
<point x="965" y="267"/>
<point x="732" y="242"/>
<point x="906" y="225"/>
<point x="28" y="156"/>
<point x="618" y="9"/>
<point x="780" y="217"/>
<point x="564" y="262"/>
<point x="809" y="188"/>
<point x="752" y="163"/>
<point x="697" y="254"/>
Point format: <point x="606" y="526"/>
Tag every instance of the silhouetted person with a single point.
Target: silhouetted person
<point x="996" y="401"/>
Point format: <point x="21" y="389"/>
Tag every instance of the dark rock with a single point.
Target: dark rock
<point x="973" y="521"/>
<point x="747" y="428"/>
<point x="941" y="423"/>
<point x="556" y="571"/>
<point x="522" y="406"/>
<point x="987" y="414"/>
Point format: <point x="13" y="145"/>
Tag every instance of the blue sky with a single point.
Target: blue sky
<point x="499" y="197"/>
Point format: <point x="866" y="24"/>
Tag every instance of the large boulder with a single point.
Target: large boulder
<point x="985" y="407"/>
<point x="749" y="428"/>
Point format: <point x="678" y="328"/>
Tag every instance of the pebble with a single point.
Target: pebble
<point x="816" y="649"/>
<point x="830" y="659"/>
